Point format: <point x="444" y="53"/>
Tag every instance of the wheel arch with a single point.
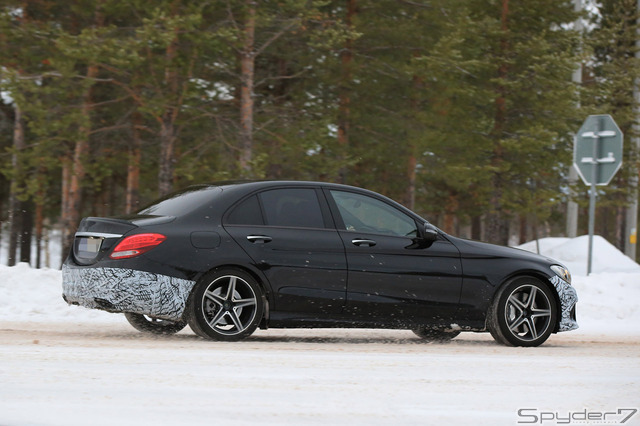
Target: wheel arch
<point x="255" y="274"/>
<point x="527" y="274"/>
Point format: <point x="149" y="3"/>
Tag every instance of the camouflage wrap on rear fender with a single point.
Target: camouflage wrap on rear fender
<point x="126" y="290"/>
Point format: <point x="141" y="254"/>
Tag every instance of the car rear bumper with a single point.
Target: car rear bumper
<point x="126" y="290"/>
<point x="568" y="299"/>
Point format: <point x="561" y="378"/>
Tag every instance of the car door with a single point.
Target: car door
<point x="392" y="276"/>
<point x="289" y="235"/>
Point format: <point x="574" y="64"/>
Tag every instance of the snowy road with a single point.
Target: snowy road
<point x="107" y="373"/>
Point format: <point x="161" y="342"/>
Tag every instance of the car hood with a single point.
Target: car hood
<point x="477" y="249"/>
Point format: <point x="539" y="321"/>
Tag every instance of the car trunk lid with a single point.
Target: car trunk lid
<point x="96" y="236"/>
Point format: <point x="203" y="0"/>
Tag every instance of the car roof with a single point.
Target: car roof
<point x="251" y="185"/>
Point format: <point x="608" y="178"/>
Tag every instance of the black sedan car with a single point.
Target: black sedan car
<point x="227" y="258"/>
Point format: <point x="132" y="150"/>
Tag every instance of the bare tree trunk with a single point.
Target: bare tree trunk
<point x="39" y="227"/>
<point x="167" y="125"/>
<point x="620" y="227"/>
<point x="344" y="96"/>
<point x="536" y="234"/>
<point x="14" y="230"/>
<point x="274" y="143"/>
<point x="133" y="168"/>
<point x="497" y="225"/>
<point x="81" y="150"/>
<point x="26" y="231"/>
<point x="410" y="197"/>
<point x="476" y="228"/>
<point x="497" y="229"/>
<point x="47" y="247"/>
<point x="523" y="229"/>
<point x="247" y="74"/>
<point x="77" y="171"/>
<point x="64" y="213"/>
<point x="15" y="205"/>
<point x="167" y="160"/>
<point x="102" y="201"/>
<point x="450" y="214"/>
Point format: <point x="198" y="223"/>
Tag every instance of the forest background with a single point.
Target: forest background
<point x="463" y="110"/>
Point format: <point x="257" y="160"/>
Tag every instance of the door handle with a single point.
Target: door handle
<point x="362" y="242"/>
<point x="260" y="239"/>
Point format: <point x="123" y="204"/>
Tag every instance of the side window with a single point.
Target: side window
<point x="246" y="213"/>
<point x="292" y="207"/>
<point x="365" y="214"/>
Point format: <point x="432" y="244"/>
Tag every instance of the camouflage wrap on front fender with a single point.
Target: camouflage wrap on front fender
<point x="127" y="290"/>
<point x="568" y="299"/>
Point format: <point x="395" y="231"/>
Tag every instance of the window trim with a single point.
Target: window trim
<point x="230" y="211"/>
<point x="340" y="225"/>
<point x="325" y="210"/>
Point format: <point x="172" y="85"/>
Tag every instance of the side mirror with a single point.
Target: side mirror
<point x="429" y="233"/>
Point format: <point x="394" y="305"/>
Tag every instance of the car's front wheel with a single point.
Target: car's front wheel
<point x="524" y="313"/>
<point x="154" y="325"/>
<point x="226" y="305"/>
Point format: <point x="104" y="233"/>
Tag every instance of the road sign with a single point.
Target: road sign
<point x="597" y="155"/>
<point x="598" y="143"/>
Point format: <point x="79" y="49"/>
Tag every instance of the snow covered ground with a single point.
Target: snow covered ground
<point x="85" y="374"/>
<point x="66" y="365"/>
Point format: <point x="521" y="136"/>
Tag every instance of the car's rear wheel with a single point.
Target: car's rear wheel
<point x="154" y="325"/>
<point x="227" y="304"/>
<point x="524" y="313"/>
<point x="435" y="334"/>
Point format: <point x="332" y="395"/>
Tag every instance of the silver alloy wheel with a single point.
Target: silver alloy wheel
<point x="229" y="305"/>
<point x="528" y="312"/>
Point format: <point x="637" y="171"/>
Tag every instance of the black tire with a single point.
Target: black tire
<point x="524" y="313"/>
<point x="435" y="334"/>
<point x="226" y="304"/>
<point x="154" y="325"/>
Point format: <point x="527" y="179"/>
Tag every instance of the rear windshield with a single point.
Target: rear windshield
<point x="182" y="202"/>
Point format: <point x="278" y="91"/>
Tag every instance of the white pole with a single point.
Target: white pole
<point x="593" y="193"/>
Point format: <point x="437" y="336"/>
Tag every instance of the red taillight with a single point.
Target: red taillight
<point x="135" y="245"/>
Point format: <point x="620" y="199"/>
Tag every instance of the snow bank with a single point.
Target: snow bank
<point x="35" y="295"/>
<point x="573" y="253"/>
<point x="609" y="303"/>
<point x="609" y="298"/>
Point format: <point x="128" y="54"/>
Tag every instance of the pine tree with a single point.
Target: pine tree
<point x="507" y="66"/>
<point x="609" y="87"/>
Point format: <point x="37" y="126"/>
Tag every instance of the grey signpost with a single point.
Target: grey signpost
<point x="597" y="156"/>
